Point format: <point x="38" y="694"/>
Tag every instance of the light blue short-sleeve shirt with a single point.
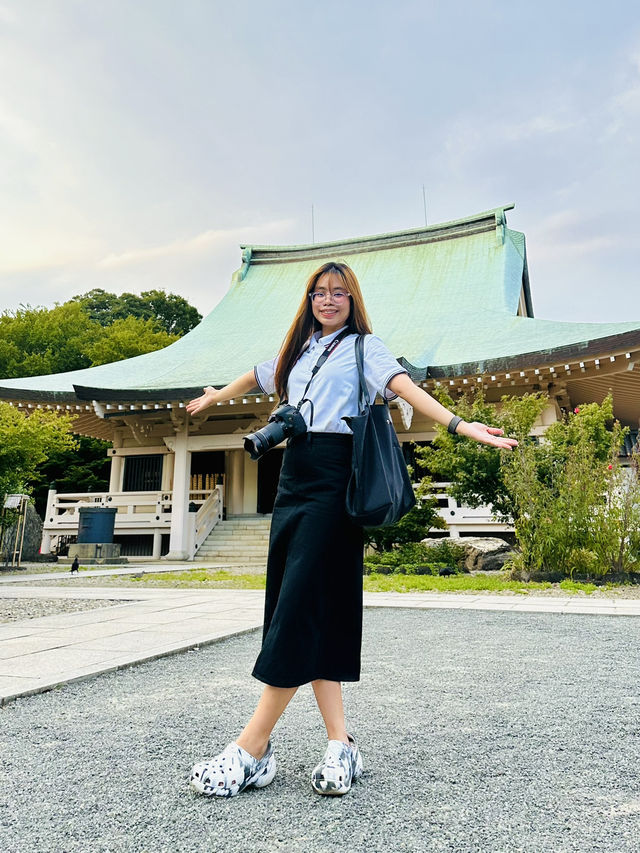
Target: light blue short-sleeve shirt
<point x="334" y="390"/>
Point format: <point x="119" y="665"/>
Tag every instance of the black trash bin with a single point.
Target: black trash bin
<point x="96" y="524"/>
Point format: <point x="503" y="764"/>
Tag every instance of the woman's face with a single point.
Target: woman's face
<point x="333" y="307"/>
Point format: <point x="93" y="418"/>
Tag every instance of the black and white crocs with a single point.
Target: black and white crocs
<point x="232" y="771"/>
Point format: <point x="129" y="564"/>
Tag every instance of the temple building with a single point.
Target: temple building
<point x="451" y="301"/>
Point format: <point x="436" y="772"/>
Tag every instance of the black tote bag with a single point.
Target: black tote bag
<point x="379" y="490"/>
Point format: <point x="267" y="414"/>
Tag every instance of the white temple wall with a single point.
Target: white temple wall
<point x="167" y="472"/>
<point x="234" y="465"/>
<point x="178" y="545"/>
<point x="250" y="485"/>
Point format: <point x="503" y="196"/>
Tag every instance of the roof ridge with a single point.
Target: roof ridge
<point x="484" y="221"/>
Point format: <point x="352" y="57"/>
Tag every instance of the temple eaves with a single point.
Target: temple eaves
<point x="447" y="300"/>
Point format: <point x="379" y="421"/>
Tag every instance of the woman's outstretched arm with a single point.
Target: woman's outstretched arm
<point x="242" y="385"/>
<point x="429" y="406"/>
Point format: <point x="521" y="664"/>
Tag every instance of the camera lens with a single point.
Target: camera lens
<point x="285" y="422"/>
<point x="257" y="443"/>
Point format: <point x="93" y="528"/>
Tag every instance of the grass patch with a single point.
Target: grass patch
<point x="204" y="578"/>
<point x="573" y="587"/>
<point x="199" y="579"/>
<point x="494" y="582"/>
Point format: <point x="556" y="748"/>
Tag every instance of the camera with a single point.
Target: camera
<point x="285" y="422"/>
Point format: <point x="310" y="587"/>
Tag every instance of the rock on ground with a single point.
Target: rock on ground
<point x="482" y="553"/>
<point x="485" y="553"/>
<point x="32" y="536"/>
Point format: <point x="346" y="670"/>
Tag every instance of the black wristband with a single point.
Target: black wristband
<point x="453" y="424"/>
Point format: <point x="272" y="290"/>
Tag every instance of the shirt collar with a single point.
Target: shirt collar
<point x="327" y="338"/>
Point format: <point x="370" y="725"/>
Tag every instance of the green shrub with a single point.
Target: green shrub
<point x="414" y="558"/>
<point x="476" y="471"/>
<point x="447" y="551"/>
<point x="577" y="510"/>
<point x="425" y="568"/>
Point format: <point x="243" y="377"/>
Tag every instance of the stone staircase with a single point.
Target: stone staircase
<point x="238" y="541"/>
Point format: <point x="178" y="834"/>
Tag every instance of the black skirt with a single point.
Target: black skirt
<point x="313" y="605"/>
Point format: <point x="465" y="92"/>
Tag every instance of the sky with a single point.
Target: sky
<point x="142" y="141"/>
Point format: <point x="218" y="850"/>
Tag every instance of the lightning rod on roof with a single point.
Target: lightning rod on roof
<point x="313" y="229"/>
<point x="424" y="204"/>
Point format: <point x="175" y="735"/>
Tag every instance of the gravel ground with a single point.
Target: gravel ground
<point x="15" y="609"/>
<point x="481" y="732"/>
<point x="32" y="569"/>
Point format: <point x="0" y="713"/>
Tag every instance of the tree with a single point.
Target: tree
<point x="88" y="330"/>
<point x="172" y="312"/>
<point x="574" y="509"/>
<point x="475" y="470"/>
<point x="39" y="341"/>
<point x="577" y="509"/>
<point x="26" y="441"/>
<point x="84" y="468"/>
<point x="168" y="311"/>
<point x="126" y="338"/>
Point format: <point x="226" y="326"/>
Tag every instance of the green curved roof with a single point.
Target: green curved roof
<point x="443" y="298"/>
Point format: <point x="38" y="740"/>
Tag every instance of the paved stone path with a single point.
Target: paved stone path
<point x="40" y="654"/>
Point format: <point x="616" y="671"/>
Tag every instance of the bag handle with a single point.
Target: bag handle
<point x="364" y="400"/>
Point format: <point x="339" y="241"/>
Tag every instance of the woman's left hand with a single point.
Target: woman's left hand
<point x="486" y="435"/>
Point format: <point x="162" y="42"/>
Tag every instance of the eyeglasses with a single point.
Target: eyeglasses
<point x="336" y="296"/>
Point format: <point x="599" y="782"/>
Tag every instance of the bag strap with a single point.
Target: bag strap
<point x="327" y="352"/>
<point x="329" y="348"/>
<point x="364" y="399"/>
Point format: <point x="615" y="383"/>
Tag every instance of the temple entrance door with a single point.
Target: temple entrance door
<point x="207" y="471"/>
<point x="268" y="473"/>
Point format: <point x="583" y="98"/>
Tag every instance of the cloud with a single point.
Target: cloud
<point x="54" y="249"/>
<point x="624" y="105"/>
<point x="18" y="129"/>
<point x="571" y="233"/>
<point x="549" y="248"/>
<point x="540" y="125"/>
<point x="204" y="243"/>
<point x="468" y="138"/>
<point x="7" y="15"/>
<point x="197" y="267"/>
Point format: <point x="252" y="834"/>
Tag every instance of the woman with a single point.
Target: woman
<point x="313" y="607"/>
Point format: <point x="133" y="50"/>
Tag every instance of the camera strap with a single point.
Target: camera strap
<point x="329" y="348"/>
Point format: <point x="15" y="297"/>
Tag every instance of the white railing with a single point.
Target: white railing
<point x="461" y="518"/>
<point x="137" y="513"/>
<point x="209" y="514"/>
<point x="135" y="510"/>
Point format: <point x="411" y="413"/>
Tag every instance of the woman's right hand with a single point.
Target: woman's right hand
<point x="203" y="402"/>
